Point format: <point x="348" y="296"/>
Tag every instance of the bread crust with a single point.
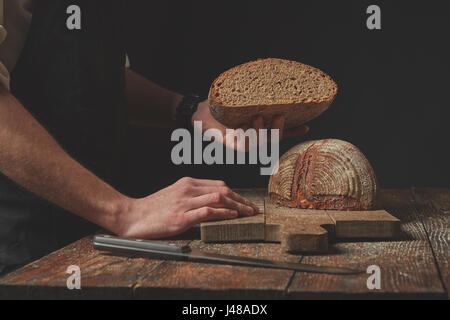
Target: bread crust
<point x="296" y="114"/>
<point x="342" y="179"/>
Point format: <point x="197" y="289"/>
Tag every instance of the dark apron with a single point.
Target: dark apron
<point x="72" y="82"/>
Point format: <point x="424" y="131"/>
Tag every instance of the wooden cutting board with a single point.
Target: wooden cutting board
<point x="300" y="230"/>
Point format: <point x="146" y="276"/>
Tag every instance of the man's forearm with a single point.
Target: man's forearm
<point x="149" y="104"/>
<point x="33" y="159"/>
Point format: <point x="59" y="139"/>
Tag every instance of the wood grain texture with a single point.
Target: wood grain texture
<point x="407" y="266"/>
<point x="102" y="275"/>
<point x="300" y="230"/>
<point x="410" y="267"/>
<point x="187" y="280"/>
<point x="378" y="224"/>
<point x="239" y="230"/>
<point x="434" y="205"/>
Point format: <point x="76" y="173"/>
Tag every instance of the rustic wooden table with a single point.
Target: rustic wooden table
<point x="414" y="266"/>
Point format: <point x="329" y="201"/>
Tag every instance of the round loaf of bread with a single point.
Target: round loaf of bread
<point x="271" y="87"/>
<point x="329" y="174"/>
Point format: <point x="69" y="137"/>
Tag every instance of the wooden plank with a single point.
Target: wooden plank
<point x="298" y="230"/>
<point x="239" y="230"/>
<point x="407" y="266"/>
<point x="365" y="224"/>
<point x="102" y="275"/>
<point x="187" y="280"/>
<point x="435" y="209"/>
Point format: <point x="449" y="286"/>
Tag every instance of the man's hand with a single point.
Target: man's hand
<point x="181" y="206"/>
<point x="209" y="122"/>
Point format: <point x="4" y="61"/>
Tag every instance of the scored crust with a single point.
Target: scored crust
<point x="328" y="174"/>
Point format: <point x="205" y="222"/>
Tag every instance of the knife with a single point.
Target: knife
<point x="110" y="243"/>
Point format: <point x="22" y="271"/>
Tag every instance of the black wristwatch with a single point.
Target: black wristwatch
<point x="186" y="109"/>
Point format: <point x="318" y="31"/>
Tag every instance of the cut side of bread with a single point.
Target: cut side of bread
<point x="271" y="87"/>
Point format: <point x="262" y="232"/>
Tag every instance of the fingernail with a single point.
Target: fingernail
<point x="255" y="208"/>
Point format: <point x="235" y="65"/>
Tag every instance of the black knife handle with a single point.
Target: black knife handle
<point x="103" y="242"/>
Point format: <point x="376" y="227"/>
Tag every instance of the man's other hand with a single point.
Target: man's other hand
<point x="204" y="115"/>
<point x="181" y="206"/>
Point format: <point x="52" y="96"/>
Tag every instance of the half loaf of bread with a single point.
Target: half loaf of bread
<point x="271" y="87"/>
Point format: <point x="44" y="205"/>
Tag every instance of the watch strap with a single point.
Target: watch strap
<point x="186" y="109"/>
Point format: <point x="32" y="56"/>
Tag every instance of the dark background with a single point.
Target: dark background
<point x="393" y="83"/>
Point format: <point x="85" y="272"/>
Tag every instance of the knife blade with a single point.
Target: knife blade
<point x="136" y="246"/>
